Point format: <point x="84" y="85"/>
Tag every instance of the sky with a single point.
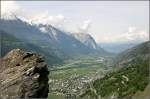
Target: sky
<point x="106" y="21"/>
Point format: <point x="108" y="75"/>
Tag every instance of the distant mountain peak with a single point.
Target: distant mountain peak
<point x="86" y="39"/>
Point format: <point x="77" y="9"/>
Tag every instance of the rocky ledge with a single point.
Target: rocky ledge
<point x="23" y="75"/>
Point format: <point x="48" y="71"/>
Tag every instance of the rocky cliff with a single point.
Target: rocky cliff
<point x="86" y="39"/>
<point x="23" y="75"/>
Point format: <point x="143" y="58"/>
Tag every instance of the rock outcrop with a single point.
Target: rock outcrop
<point x="23" y="75"/>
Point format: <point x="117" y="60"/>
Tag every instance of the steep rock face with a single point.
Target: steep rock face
<point x="64" y="41"/>
<point x="86" y="39"/>
<point x="23" y="75"/>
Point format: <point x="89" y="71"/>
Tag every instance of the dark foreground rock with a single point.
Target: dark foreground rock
<point x="23" y="75"/>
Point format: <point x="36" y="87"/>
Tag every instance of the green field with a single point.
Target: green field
<point x="82" y="67"/>
<point x="70" y="73"/>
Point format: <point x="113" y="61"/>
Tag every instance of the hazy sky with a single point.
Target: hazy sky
<point x="106" y="21"/>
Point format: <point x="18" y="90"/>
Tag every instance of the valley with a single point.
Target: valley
<point x="100" y="78"/>
<point x="74" y="76"/>
<point x="78" y="67"/>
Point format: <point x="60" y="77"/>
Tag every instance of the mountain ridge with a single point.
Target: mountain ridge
<point x="9" y="42"/>
<point x="86" y="39"/>
<point x="53" y="40"/>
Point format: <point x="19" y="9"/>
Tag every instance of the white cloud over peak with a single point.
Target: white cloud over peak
<point x="47" y="19"/>
<point x="9" y="9"/>
<point x="131" y="29"/>
<point x="85" y="26"/>
<point x="76" y="16"/>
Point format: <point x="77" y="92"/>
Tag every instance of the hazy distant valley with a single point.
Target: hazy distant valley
<point x="78" y="66"/>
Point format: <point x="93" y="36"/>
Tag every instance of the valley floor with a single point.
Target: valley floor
<point x="73" y="78"/>
<point x="82" y="77"/>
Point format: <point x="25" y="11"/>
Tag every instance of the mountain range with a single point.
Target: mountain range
<point x="49" y="39"/>
<point x="9" y="42"/>
<point x="131" y="66"/>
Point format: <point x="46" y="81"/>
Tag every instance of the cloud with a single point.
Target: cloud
<point x="47" y="19"/>
<point x="136" y="35"/>
<point x="131" y="29"/>
<point x="132" y="35"/>
<point x="60" y="19"/>
<point x="9" y="9"/>
<point x="85" y="27"/>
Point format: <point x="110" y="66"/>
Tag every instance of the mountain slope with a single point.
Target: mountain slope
<point x="30" y="34"/>
<point x="117" y="47"/>
<point x="9" y="42"/>
<point x="140" y="51"/>
<point x="52" y="40"/>
<point x="89" y="41"/>
<point x="127" y="81"/>
<point x="67" y="43"/>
